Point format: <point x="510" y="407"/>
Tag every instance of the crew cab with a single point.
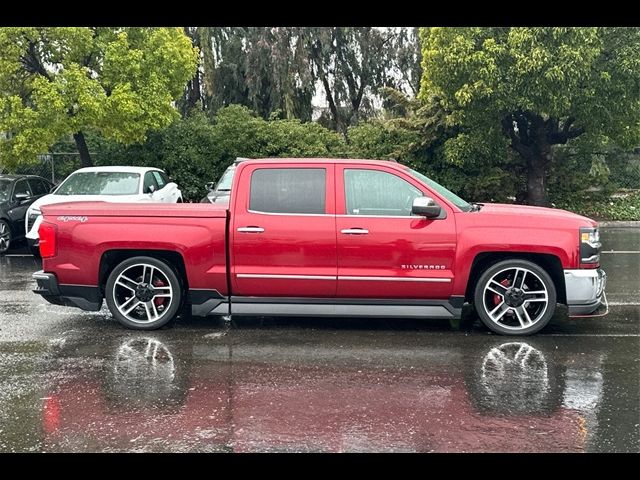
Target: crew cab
<point x="323" y="237"/>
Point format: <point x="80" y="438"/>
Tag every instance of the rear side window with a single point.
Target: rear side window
<point x="288" y="190"/>
<point x="38" y="187"/>
<point x="160" y="179"/>
<point x="149" y="181"/>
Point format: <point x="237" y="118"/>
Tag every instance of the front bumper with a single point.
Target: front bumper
<point x="80" y="296"/>
<point x="585" y="291"/>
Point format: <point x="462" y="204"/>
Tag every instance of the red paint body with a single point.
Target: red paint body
<point x="310" y="245"/>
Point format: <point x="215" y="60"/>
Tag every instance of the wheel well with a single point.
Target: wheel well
<point x="550" y="263"/>
<point x="110" y="259"/>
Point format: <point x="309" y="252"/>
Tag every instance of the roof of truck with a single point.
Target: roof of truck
<point x="320" y="160"/>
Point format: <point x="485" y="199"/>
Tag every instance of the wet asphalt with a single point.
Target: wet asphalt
<point x="73" y="381"/>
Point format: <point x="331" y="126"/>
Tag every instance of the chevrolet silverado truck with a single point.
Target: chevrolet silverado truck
<point x="323" y="237"/>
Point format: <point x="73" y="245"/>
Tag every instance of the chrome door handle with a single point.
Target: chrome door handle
<point x="251" y="229"/>
<point x="354" y="231"/>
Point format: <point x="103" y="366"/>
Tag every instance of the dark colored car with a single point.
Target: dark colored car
<point x="219" y="192"/>
<point x="17" y="192"/>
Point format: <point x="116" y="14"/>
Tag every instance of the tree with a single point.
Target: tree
<point x="263" y="68"/>
<point x="531" y="89"/>
<point x="58" y="81"/>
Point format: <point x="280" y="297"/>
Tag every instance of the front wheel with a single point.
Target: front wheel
<point x="143" y="293"/>
<point x="515" y="297"/>
<point x="5" y="237"/>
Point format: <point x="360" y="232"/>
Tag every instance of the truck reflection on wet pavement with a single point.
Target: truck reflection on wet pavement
<point x="339" y="394"/>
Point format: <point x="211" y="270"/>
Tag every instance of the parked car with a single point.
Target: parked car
<point x="17" y="193"/>
<point x="324" y="237"/>
<point x="107" y="184"/>
<point x="219" y="192"/>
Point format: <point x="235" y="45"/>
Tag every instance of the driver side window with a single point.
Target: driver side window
<point x="149" y="180"/>
<point x="373" y="192"/>
<point x="21" y="187"/>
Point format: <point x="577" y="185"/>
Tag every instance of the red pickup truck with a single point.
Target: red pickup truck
<point x="323" y="237"/>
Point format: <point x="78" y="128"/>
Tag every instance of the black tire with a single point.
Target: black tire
<point x="167" y="315"/>
<point x="5" y="237"/>
<point x="542" y="316"/>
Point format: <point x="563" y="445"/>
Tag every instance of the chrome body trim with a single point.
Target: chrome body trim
<point x="585" y="290"/>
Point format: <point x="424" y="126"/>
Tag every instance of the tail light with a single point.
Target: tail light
<point x="47" y="233"/>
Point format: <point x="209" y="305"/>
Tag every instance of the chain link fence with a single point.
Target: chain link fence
<point x="624" y="172"/>
<point x="52" y="166"/>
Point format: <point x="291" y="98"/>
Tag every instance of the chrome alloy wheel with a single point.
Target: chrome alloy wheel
<point x="142" y="293"/>
<point x="515" y="298"/>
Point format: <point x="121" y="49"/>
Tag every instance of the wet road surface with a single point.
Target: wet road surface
<point x="77" y="381"/>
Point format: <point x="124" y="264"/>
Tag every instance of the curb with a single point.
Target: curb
<point x="620" y="224"/>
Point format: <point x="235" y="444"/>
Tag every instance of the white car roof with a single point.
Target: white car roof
<point x="123" y="169"/>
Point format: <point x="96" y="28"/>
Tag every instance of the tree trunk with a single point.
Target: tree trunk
<point x="536" y="181"/>
<point x="81" y="144"/>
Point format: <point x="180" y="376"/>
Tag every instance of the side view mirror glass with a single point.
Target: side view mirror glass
<point x="151" y="189"/>
<point x="426" y="207"/>
<point x="22" y="197"/>
<point x="210" y="185"/>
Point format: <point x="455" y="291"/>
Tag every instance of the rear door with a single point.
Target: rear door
<point x="283" y="231"/>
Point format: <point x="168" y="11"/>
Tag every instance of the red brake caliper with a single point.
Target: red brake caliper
<point x="497" y="298"/>
<point x="158" y="300"/>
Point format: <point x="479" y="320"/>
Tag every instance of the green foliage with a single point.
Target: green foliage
<point x="531" y="88"/>
<point x="381" y="140"/>
<point x="57" y="81"/>
<point x="194" y="150"/>
<point x="620" y="207"/>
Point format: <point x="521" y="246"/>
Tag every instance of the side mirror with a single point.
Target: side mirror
<point x="210" y="185"/>
<point x="22" y="197"/>
<point x="426" y="207"/>
<point x="151" y="189"/>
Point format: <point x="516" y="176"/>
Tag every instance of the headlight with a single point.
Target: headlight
<point x="589" y="245"/>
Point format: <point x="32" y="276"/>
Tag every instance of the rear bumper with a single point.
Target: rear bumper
<point x="81" y="296"/>
<point x="585" y="291"/>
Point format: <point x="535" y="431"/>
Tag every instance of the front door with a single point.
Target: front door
<point x="284" y="232"/>
<point x="383" y="250"/>
<point x="19" y="207"/>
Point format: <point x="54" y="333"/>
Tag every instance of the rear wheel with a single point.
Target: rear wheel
<point x="143" y="293"/>
<point x="5" y="237"/>
<point x="515" y="297"/>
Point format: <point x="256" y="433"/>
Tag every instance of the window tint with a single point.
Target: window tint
<point x="21" y="187"/>
<point x="160" y="179"/>
<point x="372" y="192"/>
<point x="149" y="180"/>
<point x="288" y="190"/>
<point x="38" y="187"/>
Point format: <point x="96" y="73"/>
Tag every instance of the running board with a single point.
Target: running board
<point x="318" y="307"/>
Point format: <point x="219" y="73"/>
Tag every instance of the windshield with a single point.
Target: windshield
<point x="227" y="179"/>
<point x="100" y="183"/>
<point x="452" y="197"/>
